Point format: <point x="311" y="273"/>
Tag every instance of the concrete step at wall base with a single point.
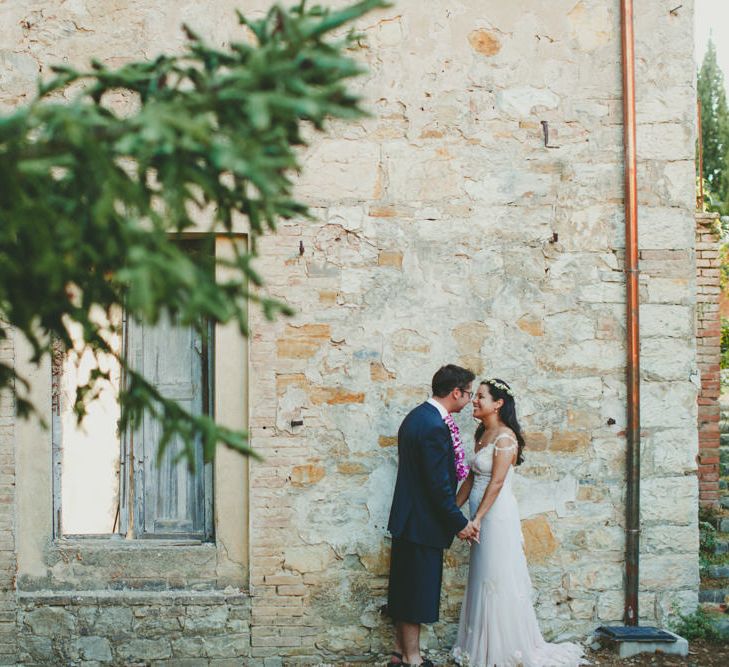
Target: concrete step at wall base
<point x="724" y="525"/>
<point x="717" y="571"/>
<point x="714" y="595"/>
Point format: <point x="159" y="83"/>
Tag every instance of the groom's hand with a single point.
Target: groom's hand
<point x="470" y="532"/>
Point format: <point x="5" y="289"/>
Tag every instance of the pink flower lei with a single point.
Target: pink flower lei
<point x="462" y="467"/>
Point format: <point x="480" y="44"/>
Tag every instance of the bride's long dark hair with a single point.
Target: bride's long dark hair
<point x="501" y="390"/>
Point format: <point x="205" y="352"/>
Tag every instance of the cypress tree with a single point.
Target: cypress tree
<point x="714" y="129"/>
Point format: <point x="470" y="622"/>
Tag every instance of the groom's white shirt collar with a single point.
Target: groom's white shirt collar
<point x="439" y="407"/>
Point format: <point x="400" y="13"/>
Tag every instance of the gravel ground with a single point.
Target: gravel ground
<point x="701" y="654"/>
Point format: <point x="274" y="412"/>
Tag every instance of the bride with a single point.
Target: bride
<point x="498" y="625"/>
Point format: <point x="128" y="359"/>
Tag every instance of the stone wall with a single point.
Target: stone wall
<point x="448" y="231"/>
<point x="477" y="217"/>
<point x="186" y="629"/>
<point x="708" y="334"/>
<point x="7" y="514"/>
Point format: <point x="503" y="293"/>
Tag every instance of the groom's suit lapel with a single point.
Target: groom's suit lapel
<point x="451" y="456"/>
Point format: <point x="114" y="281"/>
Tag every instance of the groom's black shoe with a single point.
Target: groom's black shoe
<point x="425" y="663"/>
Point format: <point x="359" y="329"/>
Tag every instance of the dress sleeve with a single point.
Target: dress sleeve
<point x="510" y="447"/>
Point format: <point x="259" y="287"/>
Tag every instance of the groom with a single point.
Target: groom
<point x="424" y="516"/>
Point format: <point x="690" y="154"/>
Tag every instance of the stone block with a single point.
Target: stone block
<point x="338" y="169"/>
<point x="113" y="622"/>
<point x="610" y="605"/>
<point x="566" y="441"/>
<point x="308" y="559"/>
<point x="50" y="622"/>
<point x="188" y="647"/>
<point x="666" y="359"/>
<point x="302" y="341"/>
<point x="669" y="498"/>
<point x="670" y="603"/>
<point x="662" y="538"/>
<point x="93" y="648"/>
<point x="718" y="571"/>
<point x="304" y="475"/>
<point x="586" y="576"/>
<point x="376" y="561"/>
<point x="227" y="646"/>
<point x="539" y="541"/>
<point x="485" y="42"/>
<point x="668" y="405"/>
<point x="335" y="396"/>
<point x="519" y="101"/>
<point x="282" y="579"/>
<point x="668" y="572"/>
<point x="667" y="228"/>
<point x="387" y="441"/>
<point x="37" y="648"/>
<point x="144" y="649"/>
<point x="537" y="441"/>
<point x="666" y="321"/>
<point x="205" y="619"/>
<point x="391" y="258"/>
<point x="293" y="590"/>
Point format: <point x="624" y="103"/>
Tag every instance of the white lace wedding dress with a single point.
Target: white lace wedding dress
<point x="498" y="625"/>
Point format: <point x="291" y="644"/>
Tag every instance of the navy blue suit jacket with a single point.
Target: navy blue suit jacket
<point x="424" y="509"/>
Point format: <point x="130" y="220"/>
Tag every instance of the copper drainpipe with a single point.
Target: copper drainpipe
<point x="632" y="501"/>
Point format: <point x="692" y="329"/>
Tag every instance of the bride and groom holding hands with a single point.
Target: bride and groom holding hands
<point x="497" y="625"/>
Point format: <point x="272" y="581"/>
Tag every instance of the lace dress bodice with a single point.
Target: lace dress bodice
<point x="482" y="463"/>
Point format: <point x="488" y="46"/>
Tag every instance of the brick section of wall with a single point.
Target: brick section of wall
<point x="8" y="643"/>
<point x="708" y="340"/>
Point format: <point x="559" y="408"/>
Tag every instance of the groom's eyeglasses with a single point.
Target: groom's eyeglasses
<point x="465" y="391"/>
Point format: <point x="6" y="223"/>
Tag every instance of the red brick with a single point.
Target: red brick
<point x="708" y="486"/>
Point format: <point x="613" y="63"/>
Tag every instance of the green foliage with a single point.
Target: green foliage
<point x="707" y="537"/>
<point x="714" y="131"/>
<point x="709" y="514"/>
<point x="724" y="256"/>
<point x="698" y="625"/>
<point x="724" y="342"/>
<point x="95" y="193"/>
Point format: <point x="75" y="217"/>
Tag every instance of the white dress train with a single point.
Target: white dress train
<point x="498" y="625"/>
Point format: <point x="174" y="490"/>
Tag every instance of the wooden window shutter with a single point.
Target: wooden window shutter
<point x="170" y="500"/>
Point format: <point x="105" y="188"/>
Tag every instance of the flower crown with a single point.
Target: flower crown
<point x="500" y="385"/>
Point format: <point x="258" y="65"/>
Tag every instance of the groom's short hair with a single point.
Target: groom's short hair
<point x="448" y="377"/>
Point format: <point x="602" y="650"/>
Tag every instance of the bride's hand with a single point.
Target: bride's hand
<point x="476" y="522"/>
